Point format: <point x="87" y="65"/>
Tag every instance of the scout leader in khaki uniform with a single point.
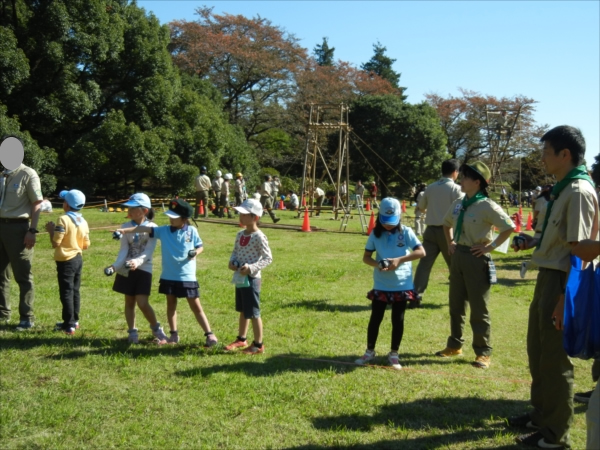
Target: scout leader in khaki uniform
<point x="435" y="202"/>
<point x="203" y="186"/>
<point x="239" y="189"/>
<point x="20" y="200"/>
<point x="571" y="216"/>
<point x="266" y="198"/>
<point x="468" y="227"/>
<point x="217" y="184"/>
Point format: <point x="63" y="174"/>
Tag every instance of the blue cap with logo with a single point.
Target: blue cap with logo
<point x="74" y="198"/>
<point x="389" y="211"/>
<point x="138" y="199"/>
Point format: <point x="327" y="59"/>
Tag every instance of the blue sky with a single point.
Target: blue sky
<point x="548" y="51"/>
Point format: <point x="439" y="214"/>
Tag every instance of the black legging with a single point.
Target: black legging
<point x="377" y="313"/>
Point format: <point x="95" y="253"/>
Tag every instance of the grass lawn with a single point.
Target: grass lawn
<point x="94" y="390"/>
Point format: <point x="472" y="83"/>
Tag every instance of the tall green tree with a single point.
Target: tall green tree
<point x="381" y="64"/>
<point x="324" y="53"/>
<point x="93" y="80"/>
<point x="402" y="143"/>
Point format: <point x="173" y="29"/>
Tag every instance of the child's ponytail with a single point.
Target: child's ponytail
<point x="150" y="214"/>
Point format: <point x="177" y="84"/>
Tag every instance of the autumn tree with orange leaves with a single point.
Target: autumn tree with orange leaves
<point x="249" y="60"/>
<point x="463" y="120"/>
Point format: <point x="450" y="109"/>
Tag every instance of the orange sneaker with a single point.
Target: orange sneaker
<point x="236" y="344"/>
<point x="254" y="350"/>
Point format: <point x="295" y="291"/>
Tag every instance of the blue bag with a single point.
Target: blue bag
<point x="581" y="334"/>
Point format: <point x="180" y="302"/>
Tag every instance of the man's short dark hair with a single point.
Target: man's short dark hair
<point x="596" y="171"/>
<point x="449" y="167"/>
<point x="563" y="137"/>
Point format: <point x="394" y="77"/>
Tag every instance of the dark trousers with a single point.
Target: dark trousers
<point x="201" y="196"/>
<point x="434" y="243"/>
<point x="13" y="254"/>
<point x="69" y="280"/>
<point x="550" y="367"/>
<point x="217" y="202"/>
<point x="377" y="313"/>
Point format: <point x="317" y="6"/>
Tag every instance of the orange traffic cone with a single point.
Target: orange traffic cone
<point x="303" y="201"/>
<point x="281" y="205"/>
<point x="306" y="223"/>
<point x="529" y="222"/>
<point x="371" y="223"/>
<point x="403" y="206"/>
<point x="201" y="208"/>
<point x="368" y="208"/>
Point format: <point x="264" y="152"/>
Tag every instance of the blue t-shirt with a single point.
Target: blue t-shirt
<point x="175" y="245"/>
<point x="393" y="245"/>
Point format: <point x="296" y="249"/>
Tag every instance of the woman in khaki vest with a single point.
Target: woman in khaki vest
<point x="468" y="227"/>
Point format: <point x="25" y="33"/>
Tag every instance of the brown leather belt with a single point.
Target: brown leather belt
<point x="3" y="220"/>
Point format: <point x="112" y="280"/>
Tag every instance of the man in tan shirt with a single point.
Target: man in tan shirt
<point x="435" y="203"/>
<point x="20" y="200"/>
<point x="203" y="186"/>
<point x="570" y="219"/>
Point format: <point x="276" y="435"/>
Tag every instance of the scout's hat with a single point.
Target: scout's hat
<point x="481" y="169"/>
<point x="179" y="208"/>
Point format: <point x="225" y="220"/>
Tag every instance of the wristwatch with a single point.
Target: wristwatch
<point x="33" y="230"/>
<point x="493" y="244"/>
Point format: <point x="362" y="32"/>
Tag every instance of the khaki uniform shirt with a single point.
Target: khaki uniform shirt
<point x="478" y="221"/>
<point x="239" y="186"/>
<point x="541" y="204"/>
<point x="225" y="189"/>
<point x="359" y="190"/>
<point x="571" y="220"/>
<point x="203" y="183"/>
<point x="217" y="183"/>
<point x="71" y="239"/>
<point x="437" y="200"/>
<point x="21" y="190"/>
<point x="265" y="190"/>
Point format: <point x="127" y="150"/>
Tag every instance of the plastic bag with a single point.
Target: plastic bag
<point x="581" y="334"/>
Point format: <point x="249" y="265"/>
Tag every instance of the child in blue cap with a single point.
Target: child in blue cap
<point x="180" y="245"/>
<point x="396" y="246"/>
<point x="69" y="237"/>
<point x="134" y="268"/>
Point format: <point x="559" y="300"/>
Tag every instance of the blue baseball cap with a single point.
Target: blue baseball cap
<point x="74" y="198"/>
<point x="138" y="199"/>
<point x="389" y="211"/>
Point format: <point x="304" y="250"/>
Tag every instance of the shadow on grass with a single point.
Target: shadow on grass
<point x="253" y="366"/>
<point x="80" y="346"/>
<point x="456" y="420"/>
<point x="325" y="305"/>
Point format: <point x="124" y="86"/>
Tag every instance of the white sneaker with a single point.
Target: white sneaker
<point x="523" y="269"/>
<point x="133" y="337"/>
<point x="368" y="356"/>
<point x="394" y="361"/>
<point x="161" y="337"/>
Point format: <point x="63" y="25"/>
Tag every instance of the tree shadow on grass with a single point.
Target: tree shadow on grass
<point x="448" y="420"/>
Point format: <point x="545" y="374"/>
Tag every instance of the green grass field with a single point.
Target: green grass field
<point x="94" y="390"/>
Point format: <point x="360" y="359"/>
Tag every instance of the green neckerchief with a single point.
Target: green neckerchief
<point x="578" y="173"/>
<point x="465" y="204"/>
